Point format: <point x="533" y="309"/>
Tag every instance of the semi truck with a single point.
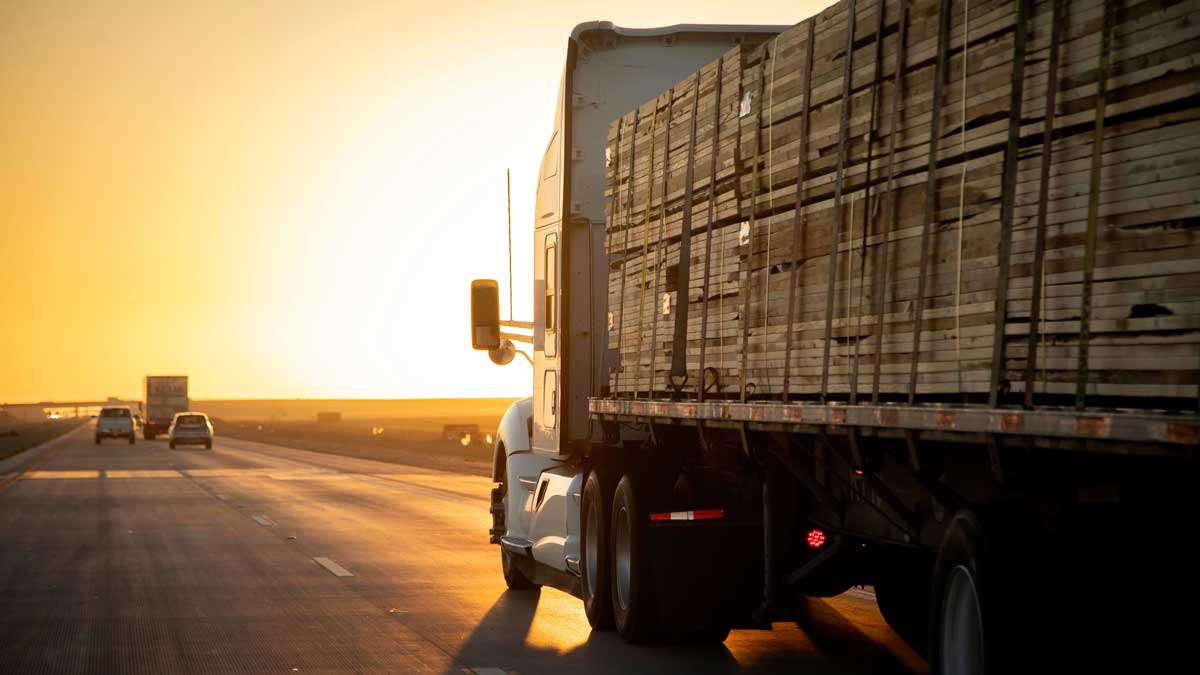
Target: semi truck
<point x="1026" y="518"/>
<point x="163" y="396"/>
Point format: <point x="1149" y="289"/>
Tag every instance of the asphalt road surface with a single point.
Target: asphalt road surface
<point x="256" y="558"/>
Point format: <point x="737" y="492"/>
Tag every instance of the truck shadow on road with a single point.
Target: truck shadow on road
<point x="512" y="636"/>
<point x="505" y="638"/>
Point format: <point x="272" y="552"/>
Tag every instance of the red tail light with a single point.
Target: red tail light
<point x="816" y="538"/>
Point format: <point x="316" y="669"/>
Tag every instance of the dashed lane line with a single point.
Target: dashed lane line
<point x="334" y="568"/>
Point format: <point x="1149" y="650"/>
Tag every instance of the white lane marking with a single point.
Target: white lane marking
<point x="336" y="569"/>
<point x="264" y="521"/>
<point x="223" y="498"/>
<point x="486" y="670"/>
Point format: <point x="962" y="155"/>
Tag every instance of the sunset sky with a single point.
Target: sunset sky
<point x="279" y="199"/>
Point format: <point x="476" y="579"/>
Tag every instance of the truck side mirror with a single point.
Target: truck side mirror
<point x="485" y="314"/>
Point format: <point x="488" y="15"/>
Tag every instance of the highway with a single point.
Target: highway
<point x="256" y="558"/>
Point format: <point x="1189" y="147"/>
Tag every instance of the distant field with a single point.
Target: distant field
<point x="18" y="436"/>
<point x="398" y="431"/>
<point x="428" y="413"/>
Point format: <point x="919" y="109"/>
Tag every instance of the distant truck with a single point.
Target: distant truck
<point x="164" y="395"/>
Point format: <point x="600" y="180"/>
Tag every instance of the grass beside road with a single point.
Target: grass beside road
<point x="17" y="437"/>
<point x="398" y="440"/>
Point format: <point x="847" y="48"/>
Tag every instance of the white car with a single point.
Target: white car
<point x="115" y="423"/>
<point x="191" y="427"/>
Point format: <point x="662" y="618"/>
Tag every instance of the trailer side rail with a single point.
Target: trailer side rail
<point x="1060" y="423"/>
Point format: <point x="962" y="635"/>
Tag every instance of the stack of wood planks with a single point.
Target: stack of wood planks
<point x="919" y="200"/>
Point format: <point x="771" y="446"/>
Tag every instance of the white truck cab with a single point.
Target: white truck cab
<point x="542" y="440"/>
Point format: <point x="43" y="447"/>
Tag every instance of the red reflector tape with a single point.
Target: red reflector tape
<point x="701" y="514"/>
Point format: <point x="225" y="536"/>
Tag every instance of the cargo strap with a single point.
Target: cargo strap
<point x="637" y="368"/>
<point x="1089" y="253"/>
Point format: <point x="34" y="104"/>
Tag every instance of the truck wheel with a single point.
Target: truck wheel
<point x="979" y="586"/>
<point x="514" y="578"/>
<point x="132" y="439"/>
<point x="632" y="598"/>
<point x="97" y="440"/>
<point x="594" y="554"/>
<point x="208" y="445"/>
<point x="172" y="445"/>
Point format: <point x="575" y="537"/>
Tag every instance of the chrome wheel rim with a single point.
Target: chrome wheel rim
<point x="622" y="556"/>
<point x="591" y="548"/>
<point x="962" y="626"/>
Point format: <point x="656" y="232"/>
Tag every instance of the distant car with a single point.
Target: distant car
<point x="191" y="427"/>
<point x="115" y="423"/>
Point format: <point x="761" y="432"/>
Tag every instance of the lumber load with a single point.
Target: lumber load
<point x="919" y="200"/>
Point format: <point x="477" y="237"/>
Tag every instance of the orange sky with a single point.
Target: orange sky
<point x="280" y="199"/>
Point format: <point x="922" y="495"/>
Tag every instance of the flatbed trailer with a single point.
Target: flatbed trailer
<point x="907" y="294"/>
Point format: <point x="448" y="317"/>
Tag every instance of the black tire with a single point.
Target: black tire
<point x="172" y="445"/>
<point x="594" y="553"/>
<point x="97" y="440"/>
<point x="514" y="578"/>
<point x="633" y="604"/>
<point x="132" y="439"/>
<point x="208" y="445"/>
<point x="980" y="586"/>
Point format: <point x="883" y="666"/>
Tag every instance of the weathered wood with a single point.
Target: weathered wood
<point x="965" y="249"/>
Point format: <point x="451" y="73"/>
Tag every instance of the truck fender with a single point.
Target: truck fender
<point x="512" y="436"/>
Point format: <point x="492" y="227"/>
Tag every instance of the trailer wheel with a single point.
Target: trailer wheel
<point x="632" y="599"/>
<point x="594" y="555"/>
<point x="978" y="585"/>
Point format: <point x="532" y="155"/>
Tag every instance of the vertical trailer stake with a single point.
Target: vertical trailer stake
<point x="745" y="290"/>
<point x="1039" y="254"/>
<point x="835" y="228"/>
<point x="881" y="292"/>
<point x="616" y="209"/>
<point x="625" y="246"/>
<point x="637" y="366"/>
<point x="1089" y="253"/>
<point x="659" y="255"/>
<point x="935" y="132"/>
<point x="797" y="222"/>
<point x="679" y="374"/>
<point x="712" y="206"/>
<point x="1008" y="192"/>
<point x="867" y="213"/>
